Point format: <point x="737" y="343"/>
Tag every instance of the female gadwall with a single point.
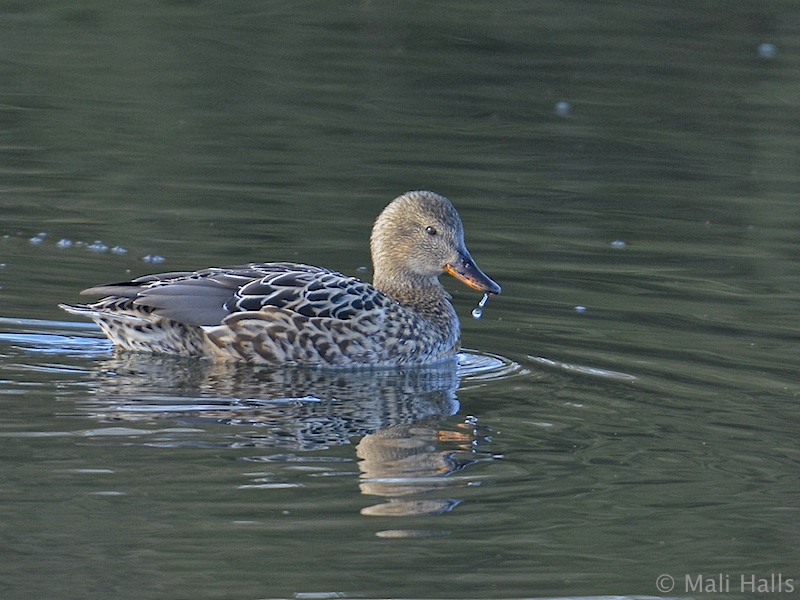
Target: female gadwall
<point x="295" y="314"/>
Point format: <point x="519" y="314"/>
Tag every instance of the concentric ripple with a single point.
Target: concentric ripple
<point x="483" y="366"/>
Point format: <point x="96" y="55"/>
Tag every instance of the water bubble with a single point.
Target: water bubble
<point x="767" y="50"/>
<point x="477" y="312"/>
<point x="563" y="108"/>
<point x="118" y="250"/>
<point x="618" y="244"/>
<point x="98" y="247"/>
<point x="153" y="259"/>
<point x="36" y="240"/>
<point x="64" y="243"/>
<point x="580" y="308"/>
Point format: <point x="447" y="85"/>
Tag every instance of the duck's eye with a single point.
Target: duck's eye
<point x="431" y="230"/>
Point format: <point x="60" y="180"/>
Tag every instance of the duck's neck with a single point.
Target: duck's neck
<point x="423" y="295"/>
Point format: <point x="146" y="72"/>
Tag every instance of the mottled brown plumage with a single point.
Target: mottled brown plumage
<point x="295" y="314"/>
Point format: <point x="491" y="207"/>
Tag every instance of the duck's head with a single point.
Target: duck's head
<point x="418" y="237"/>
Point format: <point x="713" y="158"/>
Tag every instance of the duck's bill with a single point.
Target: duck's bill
<point x="464" y="269"/>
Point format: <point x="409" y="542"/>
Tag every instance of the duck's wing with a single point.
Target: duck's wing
<point x="208" y="296"/>
<point x="310" y="292"/>
<point x="192" y="298"/>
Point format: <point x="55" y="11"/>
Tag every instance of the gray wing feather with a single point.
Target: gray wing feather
<point x="207" y="297"/>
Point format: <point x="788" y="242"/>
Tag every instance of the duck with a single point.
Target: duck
<point x="292" y="314"/>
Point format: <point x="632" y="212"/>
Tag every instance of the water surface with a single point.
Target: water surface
<point x="626" y="408"/>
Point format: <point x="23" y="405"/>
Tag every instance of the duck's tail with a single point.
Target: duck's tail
<point x="95" y="313"/>
<point x="140" y="329"/>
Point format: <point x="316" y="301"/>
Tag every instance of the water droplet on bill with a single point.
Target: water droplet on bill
<point x="477" y="312"/>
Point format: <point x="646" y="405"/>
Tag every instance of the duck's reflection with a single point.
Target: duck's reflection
<point x="405" y="460"/>
<point x="404" y="456"/>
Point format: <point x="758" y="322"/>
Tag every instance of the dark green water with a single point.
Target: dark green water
<point x="643" y="418"/>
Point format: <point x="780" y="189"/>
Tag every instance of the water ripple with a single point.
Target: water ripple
<point x="483" y="366"/>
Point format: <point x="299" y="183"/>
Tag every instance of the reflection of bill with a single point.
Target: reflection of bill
<point x="406" y="460"/>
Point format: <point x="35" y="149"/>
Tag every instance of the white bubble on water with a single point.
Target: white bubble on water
<point x="563" y="108"/>
<point x="98" y="247"/>
<point x="767" y="50"/>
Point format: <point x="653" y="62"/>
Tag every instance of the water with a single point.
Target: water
<point x="570" y="453"/>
